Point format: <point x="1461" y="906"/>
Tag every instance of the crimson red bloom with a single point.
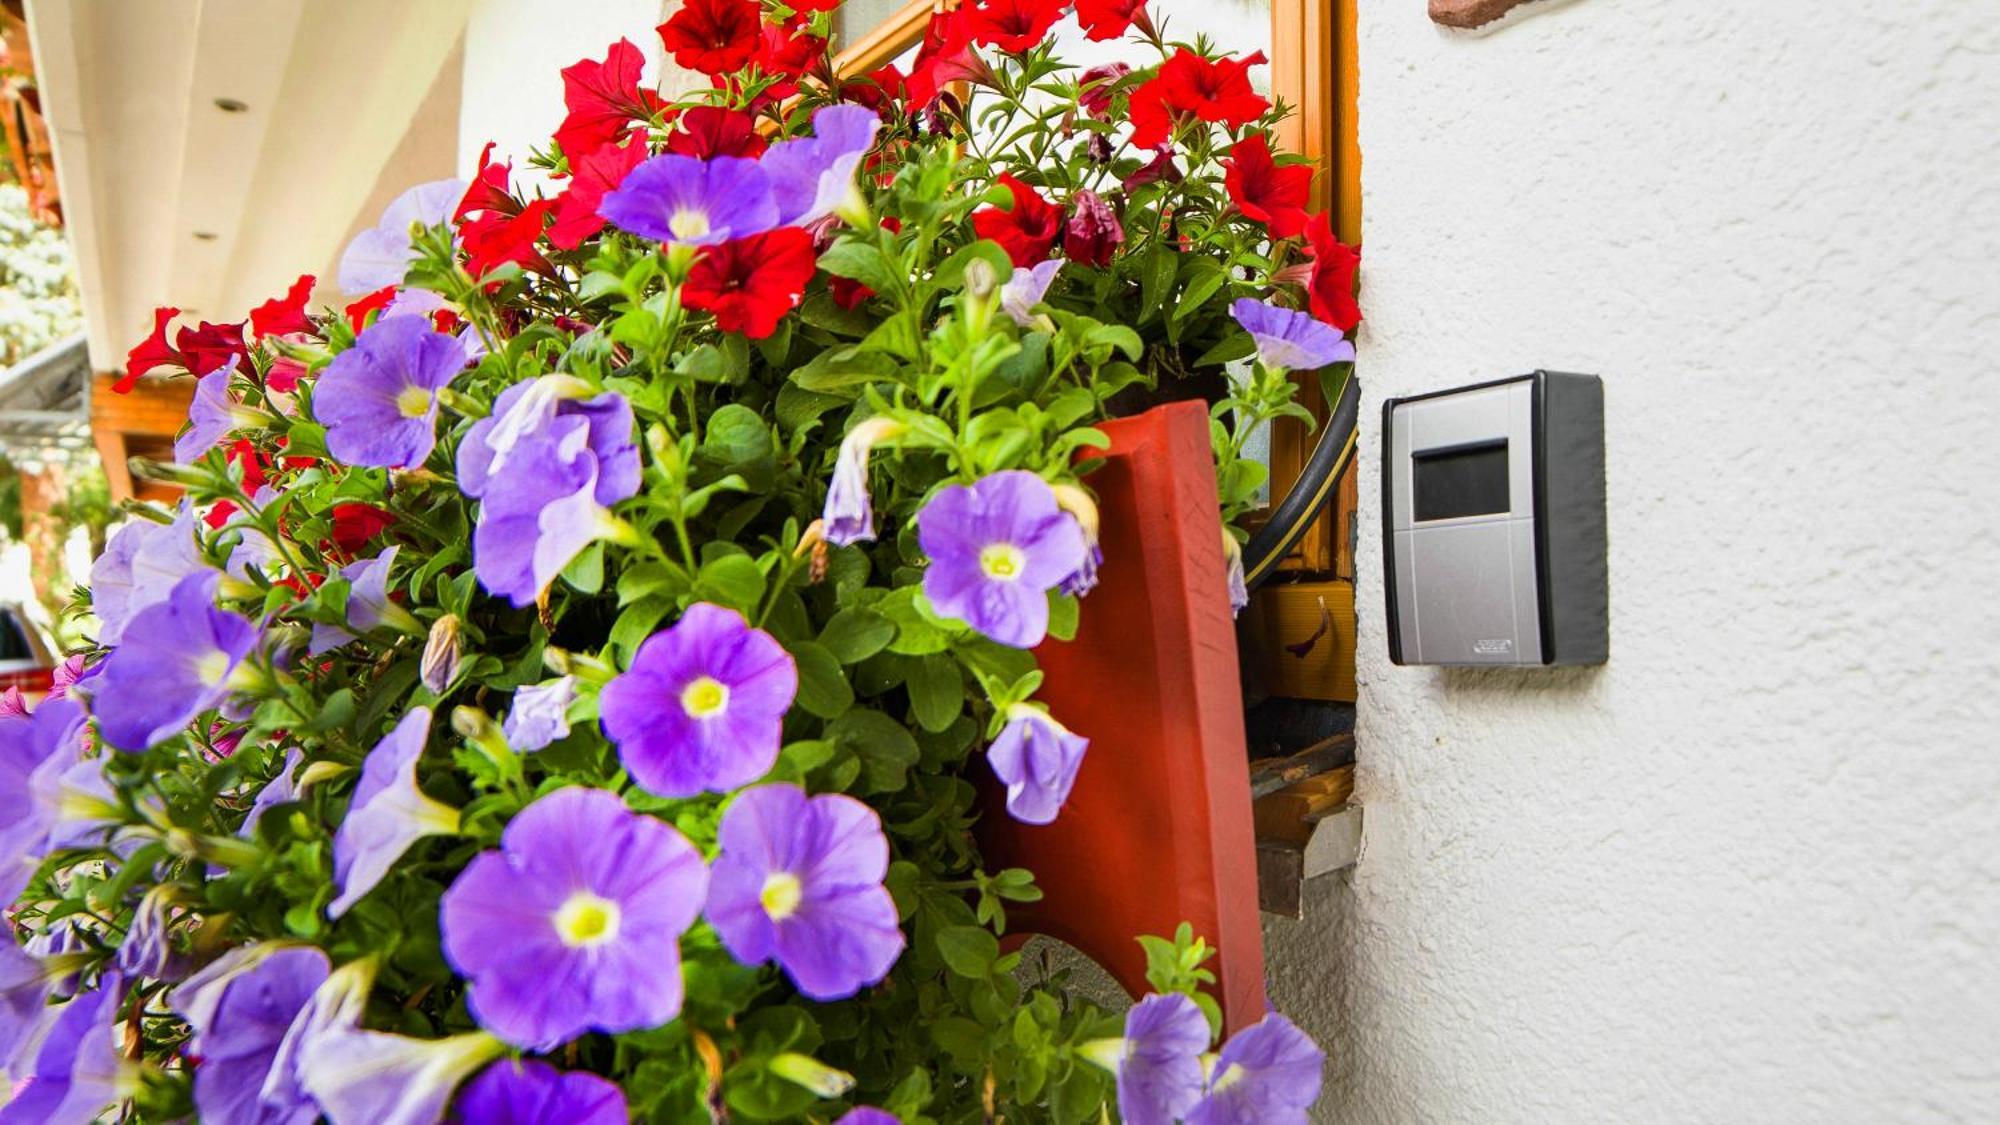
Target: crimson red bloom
<point x="284" y="314"/>
<point x="604" y="98"/>
<point x="713" y="36"/>
<point x="1187" y="83"/>
<point x="847" y="292"/>
<point x="1095" y="86"/>
<point x="1270" y="194"/>
<point x="1028" y="231"/>
<point x="591" y="175"/>
<point x="1108" y="19"/>
<point x="1013" y="26"/>
<point x="243" y="451"/>
<point x="878" y="89"/>
<point x="712" y="130"/>
<point x="946" y="56"/>
<point x="357" y="311"/>
<point x="1160" y="168"/>
<point x="1330" y="285"/>
<point x="751" y="283"/>
<point x="210" y="346"/>
<point x="1093" y="233"/>
<point x="495" y="238"/>
<point x="356" y="525"/>
<point x="153" y="351"/>
<point x="488" y="190"/>
<point x="787" y="56"/>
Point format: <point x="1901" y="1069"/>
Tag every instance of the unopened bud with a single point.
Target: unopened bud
<point x="441" y="653"/>
<point x="809" y="1072"/>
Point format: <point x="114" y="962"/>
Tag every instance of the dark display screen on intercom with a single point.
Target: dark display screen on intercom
<point x="1465" y="480"/>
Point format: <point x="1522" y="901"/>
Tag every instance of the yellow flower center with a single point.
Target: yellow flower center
<point x="586" y="920"/>
<point x="212" y="668"/>
<point x="1002" y="562"/>
<point x="688" y="224"/>
<point x="413" y="402"/>
<point x="704" y="696"/>
<point x="781" y="895"/>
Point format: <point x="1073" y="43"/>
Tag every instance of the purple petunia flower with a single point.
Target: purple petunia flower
<point x="1232" y="557"/>
<point x="540" y="714"/>
<point x="382" y="254"/>
<point x="1158" y="1062"/>
<point x="1289" y="340"/>
<point x="531" y="1092"/>
<point x="1080" y="506"/>
<point x="240" y="1008"/>
<point x="378" y="399"/>
<point x="148" y="949"/>
<point x="799" y="879"/>
<point x="546" y="469"/>
<point x="685" y="201"/>
<point x="281" y="789"/>
<point x="139" y="567"/>
<point x="369" y="606"/>
<point x="24" y="998"/>
<point x="360" y="1077"/>
<point x="387" y="813"/>
<point x="702" y="706"/>
<point x="1026" y="288"/>
<point x="1037" y="759"/>
<point x="868" y="1115"/>
<point x="212" y="414"/>
<point x="850" y="514"/>
<point x="574" y="924"/>
<point x="813" y="177"/>
<point x="33" y="749"/>
<point x="996" y="548"/>
<point x="75" y="1074"/>
<point x="177" y="658"/>
<point x="1267" y="1074"/>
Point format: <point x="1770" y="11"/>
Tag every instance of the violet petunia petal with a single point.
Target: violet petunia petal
<point x="387" y="813"/>
<point x="531" y="1092"/>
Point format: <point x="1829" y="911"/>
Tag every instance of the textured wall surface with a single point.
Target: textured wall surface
<point x="1750" y="870"/>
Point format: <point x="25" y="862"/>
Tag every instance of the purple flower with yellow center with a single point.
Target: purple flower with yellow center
<point x="850" y="514"/>
<point x="684" y="201"/>
<point x="1158" y="1061"/>
<point x="177" y="658"/>
<point x="703" y="706"/>
<point x="540" y="714"/>
<point x="813" y="177"/>
<point x="140" y="567"/>
<point x="799" y="880"/>
<point x="531" y="1092"/>
<point x="369" y="606"/>
<point x="77" y="1072"/>
<point x="1025" y="289"/>
<point x="1037" y="759"/>
<point x="1267" y="1073"/>
<point x="240" y="1007"/>
<point x="997" y="547"/>
<point x="1288" y="340"/>
<point x="574" y="924"/>
<point x="212" y="414"/>
<point x="378" y="399"/>
<point x="381" y="255"/>
<point x="387" y="813"/>
<point x="34" y="748"/>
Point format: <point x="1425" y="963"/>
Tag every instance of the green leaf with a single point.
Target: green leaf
<point x="937" y="692"/>
<point x="885" y="747"/>
<point x="968" y="951"/>
<point x="734" y="437"/>
<point x="823" y="689"/>
<point x="1208" y="277"/>
<point x="850" y="257"/>
<point x="1063" y="612"/>
<point x="854" y="635"/>
<point x="732" y="580"/>
<point x="585" y="572"/>
<point x="1232" y="347"/>
<point x="1156" y="279"/>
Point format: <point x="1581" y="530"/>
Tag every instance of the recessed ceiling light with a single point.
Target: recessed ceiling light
<point x="204" y="236"/>
<point x="230" y="105"/>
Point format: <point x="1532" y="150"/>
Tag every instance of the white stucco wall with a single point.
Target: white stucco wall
<point x="1750" y="870"/>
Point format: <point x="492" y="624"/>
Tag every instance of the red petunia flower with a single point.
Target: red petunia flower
<point x="713" y="36"/>
<point x="209" y="346"/>
<point x="1330" y="284"/>
<point x="847" y="292"/>
<point x="357" y="311"/>
<point x="1093" y="233"/>
<point x="751" y="283"/>
<point x="151" y="352"/>
<point x="604" y="98"/>
<point x="591" y="175"/>
<point x="1108" y="19"/>
<point x="878" y="89"/>
<point x="712" y="130"/>
<point x="1187" y="83"/>
<point x="1160" y="168"/>
<point x="489" y="189"/>
<point x="284" y="314"/>
<point x="787" y="56"/>
<point x="946" y="56"/>
<point x="1013" y="26"/>
<point x="356" y="525"/>
<point x="496" y="238"/>
<point x="1095" y="86"/>
<point x="1028" y="231"/>
<point x="1270" y="194"/>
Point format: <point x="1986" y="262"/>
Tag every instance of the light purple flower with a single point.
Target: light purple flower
<point x="387" y="814"/>
<point x="378" y="399"/>
<point x="32" y="748"/>
<point x="996" y="548"/>
<point x="1288" y="340"/>
<point x="139" y="567"/>
<point x="148" y="949"/>
<point x="850" y="514"/>
<point x="212" y="414"/>
<point x="1158" y="1061"/>
<point x="686" y="201"/>
<point x="574" y="924"/>
<point x="75" y="1073"/>
<point x="799" y="879"/>
<point x="540" y="714"/>
<point x="1026" y="287"/>
<point x="812" y="177"/>
<point x="177" y="659"/>
<point x="1232" y="557"/>
<point x="369" y="606"/>
<point x="240" y="1008"/>
<point x="703" y="705"/>
<point x="360" y="1077"/>
<point x="531" y="1092"/>
<point x="280" y="790"/>
<point x="868" y="1115"/>
<point x="382" y="254"/>
<point x="24" y="998"/>
<point x="1083" y="509"/>
<point x="1267" y="1074"/>
<point x="1037" y="759"/>
<point x="530" y="416"/>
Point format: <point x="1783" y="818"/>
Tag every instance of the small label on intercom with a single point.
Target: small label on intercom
<point x="1493" y="646"/>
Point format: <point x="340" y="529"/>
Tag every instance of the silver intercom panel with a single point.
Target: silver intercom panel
<point x="1493" y="512"/>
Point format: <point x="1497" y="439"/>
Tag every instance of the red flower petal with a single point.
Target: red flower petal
<point x="1330" y="286"/>
<point x="1093" y="233"/>
<point x="488" y="191"/>
<point x="751" y="283"/>
<point x="591" y="176"/>
<point x="1028" y="231"/>
<point x="713" y="36"/>
<point x="1269" y="194"/>
<point x="1217" y="91"/>
<point x="357" y="311"/>
<point x="284" y="314"/>
<point x="209" y="346"/>
<point x="494" y="239"/>
<point x="712" y="130"/>
<point x="1013" y="26"/>
<point x="356" y="525"/>
<point x="1108" y="19"/>
<point x="154" y="351"/>
<point x="946" y="56"/>
<point x="604" y="98"/>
